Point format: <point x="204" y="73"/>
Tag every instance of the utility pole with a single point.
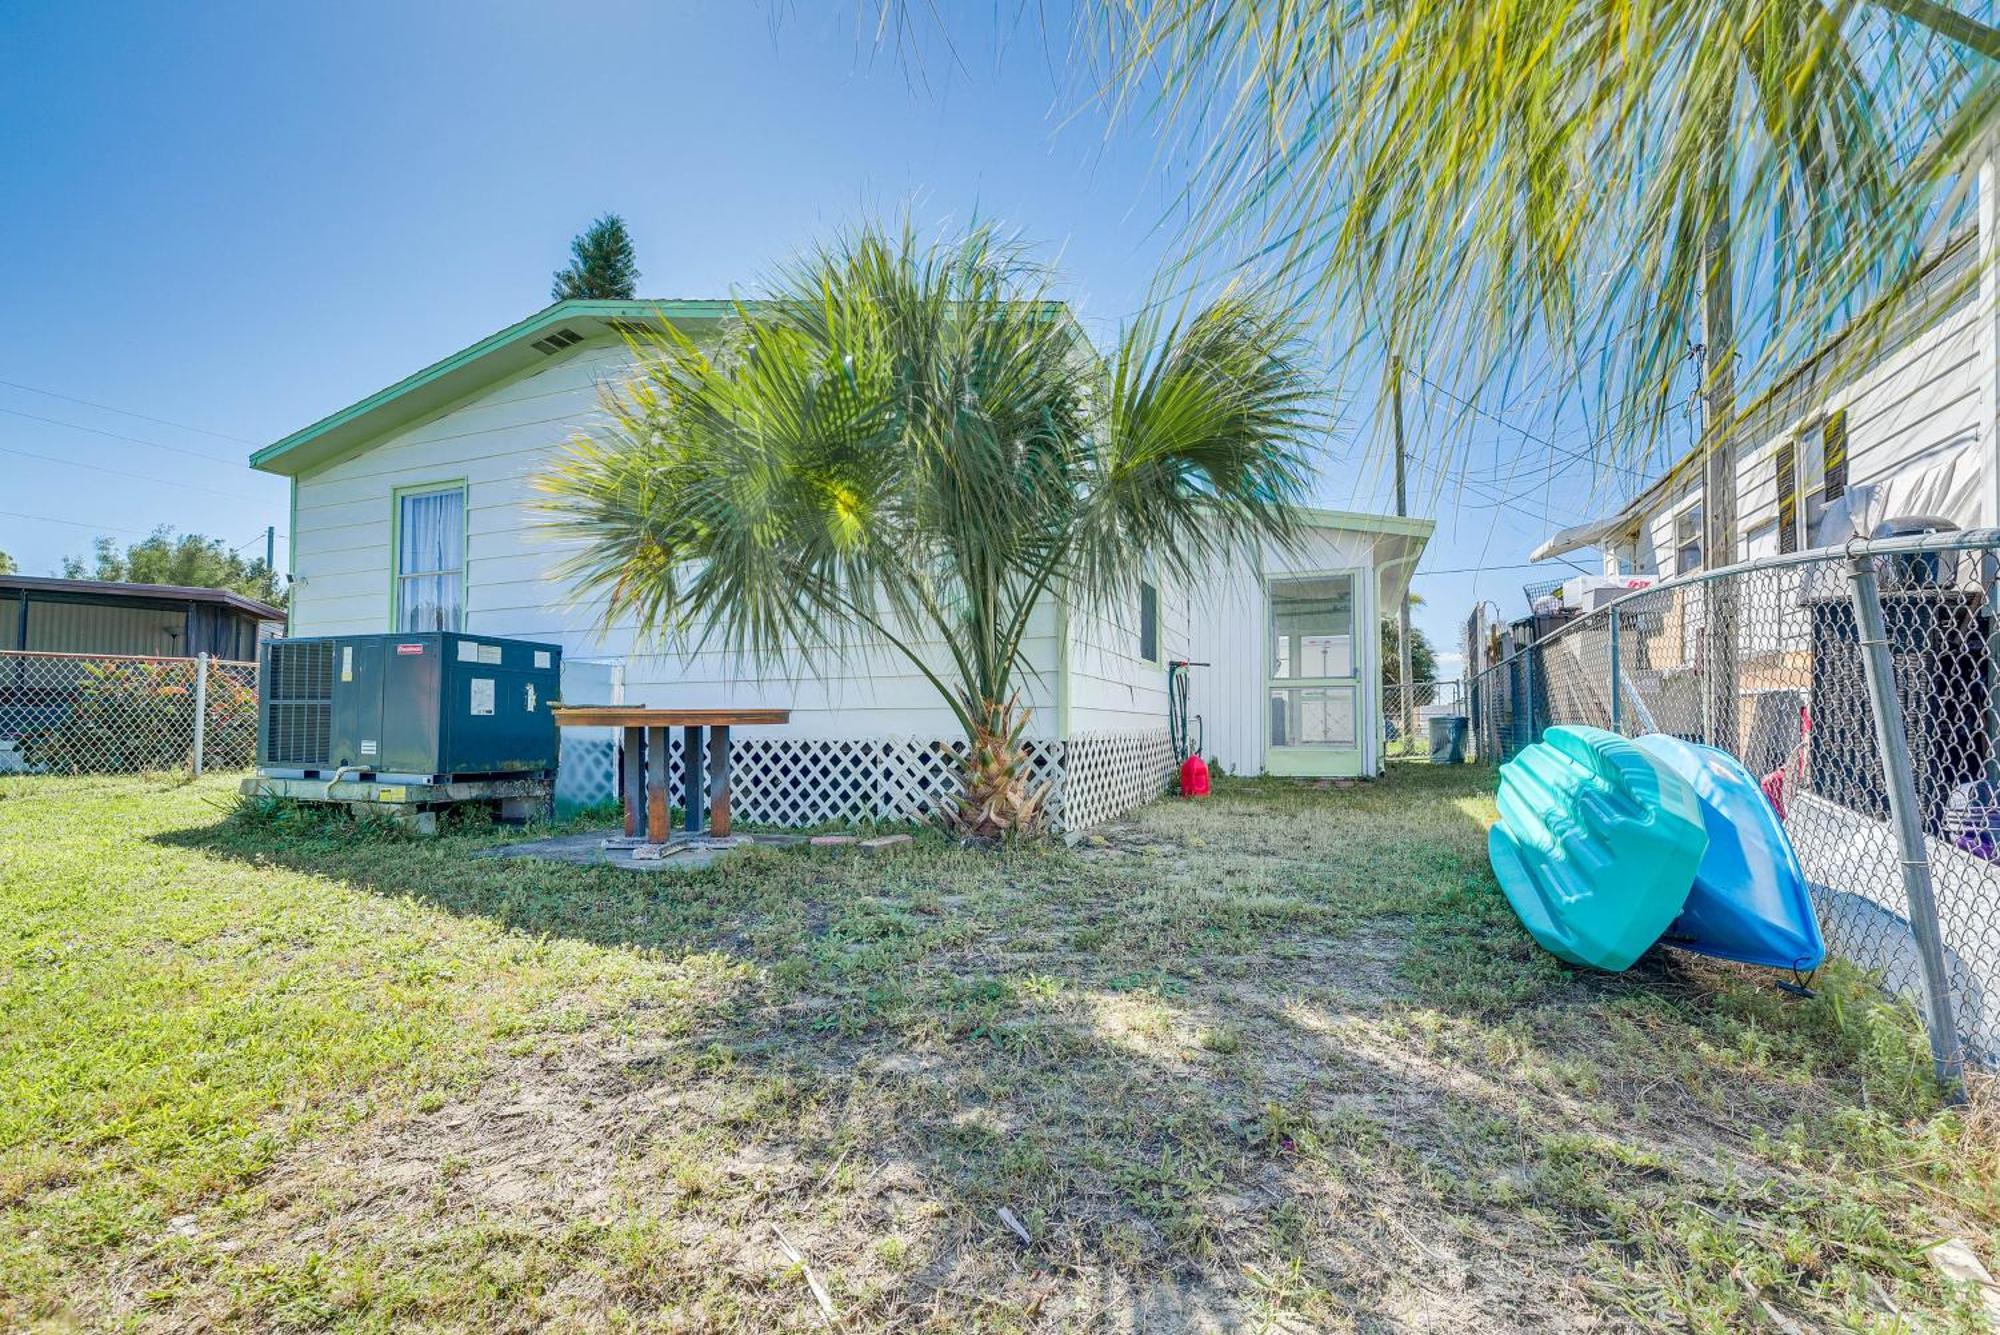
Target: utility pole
<point x="1718" y="474"/>
<point x="1403" y="608"/>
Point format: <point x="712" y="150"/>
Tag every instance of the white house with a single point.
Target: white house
<point x="1836" y="448"/>
<point x="414" y="509"/>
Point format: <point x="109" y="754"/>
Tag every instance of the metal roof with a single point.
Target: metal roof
<point x="113" y="591"/>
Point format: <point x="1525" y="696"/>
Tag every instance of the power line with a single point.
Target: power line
<point x="119" y="435"/>
<point x="127" y="412"/>
<point x="1523" y="431"/>
<point x="1489" y="570"/>
<point x="75" y="523"/>
<point x="120" y="472"/>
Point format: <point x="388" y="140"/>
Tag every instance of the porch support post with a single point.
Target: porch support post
<point x="691" y="785"/>
<point x="718" y="782"/>
<point x="658" y="829"/>
<point x="631" y="783"/>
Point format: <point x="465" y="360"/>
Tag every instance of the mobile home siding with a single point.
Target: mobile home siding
<point x="1111" y="688"/>
<point x="496" y="443"/>
<point x="1913" y="430"/>
<point x="1228" y="630"/>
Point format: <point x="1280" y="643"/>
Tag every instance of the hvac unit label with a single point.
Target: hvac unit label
<point x="541" y="658"/>
<point x="482" y="695"/>
<point x="368" y="746"/>
<point x="408" y="649"/>
<point x="471" y="651"/>
<point x="347" y="662"/>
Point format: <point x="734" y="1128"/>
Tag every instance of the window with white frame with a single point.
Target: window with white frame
<point x="1687" y="539"/>
<point x="430" y="558"/>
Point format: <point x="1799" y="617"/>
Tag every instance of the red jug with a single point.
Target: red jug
<point x="1194" y="777"/>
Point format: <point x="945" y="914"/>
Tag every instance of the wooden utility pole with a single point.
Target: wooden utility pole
<point x="1409" y="711"/>
<point x="1718" y="475"/>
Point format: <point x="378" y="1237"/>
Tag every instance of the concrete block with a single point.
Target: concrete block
<point x="833" y="840"/>
<point x="885" y="843"/>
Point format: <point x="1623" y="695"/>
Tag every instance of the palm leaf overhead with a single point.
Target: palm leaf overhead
<point x="1478" y="178"/>
<point x="910" y="448"/>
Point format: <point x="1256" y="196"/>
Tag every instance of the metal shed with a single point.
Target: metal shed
<point x="84" y="616"/>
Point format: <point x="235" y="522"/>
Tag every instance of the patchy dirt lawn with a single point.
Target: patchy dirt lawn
<point x="1277" y="1061"/>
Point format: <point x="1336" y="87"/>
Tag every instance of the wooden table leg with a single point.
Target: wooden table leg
<point x="691" y="787"/>
<point x="718" y="782"/>
<point x="631" y="759"/>
<point x="658" y="828"/>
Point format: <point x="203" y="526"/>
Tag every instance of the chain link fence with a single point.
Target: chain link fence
<point x="1428" y="700"/>
<point x="112" y="714"/>
<point x="1859" y="686"/>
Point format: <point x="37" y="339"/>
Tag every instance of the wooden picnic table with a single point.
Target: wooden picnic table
<point x="642" y="787"/>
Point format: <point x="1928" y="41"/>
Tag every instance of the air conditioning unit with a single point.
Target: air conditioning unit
<point x="416" y="708"/>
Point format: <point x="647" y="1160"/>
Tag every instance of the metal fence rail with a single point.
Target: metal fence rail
<point x="1860" y="685"/>
<point x="115" y="714"/>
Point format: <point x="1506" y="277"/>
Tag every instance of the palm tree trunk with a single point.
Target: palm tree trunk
<point x="1002" y="795"/>
<point x="1948" y="22"/>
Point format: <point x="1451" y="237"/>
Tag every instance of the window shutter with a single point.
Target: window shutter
<point x="1833" y="455"/>
<point x="1788" y="497"/>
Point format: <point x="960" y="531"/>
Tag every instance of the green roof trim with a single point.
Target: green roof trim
<point x="1401" y="525"/>
<point x="445" y="382"/>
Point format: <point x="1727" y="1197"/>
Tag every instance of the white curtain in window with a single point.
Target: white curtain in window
<point x="430" y="561"/>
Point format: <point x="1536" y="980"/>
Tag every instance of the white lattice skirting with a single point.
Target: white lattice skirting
<point x="798" y="782"/>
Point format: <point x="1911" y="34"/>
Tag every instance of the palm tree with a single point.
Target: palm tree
<point x="910" y="447"/>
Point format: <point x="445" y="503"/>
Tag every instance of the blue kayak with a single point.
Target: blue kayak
<point x="1749" y="902"/>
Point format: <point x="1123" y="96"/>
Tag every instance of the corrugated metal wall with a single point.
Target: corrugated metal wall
<point x="100" y="628"/>
<point x="162" y="630"/>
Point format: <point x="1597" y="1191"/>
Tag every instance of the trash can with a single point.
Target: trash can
<point x="1448" y="739"/>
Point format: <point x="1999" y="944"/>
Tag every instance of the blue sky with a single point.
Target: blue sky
<point x="238" y="218"/>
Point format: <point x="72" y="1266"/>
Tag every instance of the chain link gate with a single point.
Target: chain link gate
<point x="1428" y="700"/>
<point x="116" y="714"/>
<point x="1859" y="685"/>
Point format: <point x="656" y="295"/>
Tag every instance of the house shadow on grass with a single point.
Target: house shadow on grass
<point x="1278" y="1060"/>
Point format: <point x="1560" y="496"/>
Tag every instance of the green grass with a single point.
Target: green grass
<point x="1278" y="1060"/>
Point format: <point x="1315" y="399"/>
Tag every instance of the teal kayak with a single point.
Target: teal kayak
<point x="1596" y="847"/>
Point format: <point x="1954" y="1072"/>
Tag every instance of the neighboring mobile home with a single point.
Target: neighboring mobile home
<point x="1835" y="449"/>
<point x="414" y="509"/>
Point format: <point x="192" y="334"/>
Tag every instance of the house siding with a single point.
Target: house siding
<point x="1228" y="631"/>
<point x="1110" y="687"/>
<point x="1913" y="431"/>
<point x="497" y="443"/>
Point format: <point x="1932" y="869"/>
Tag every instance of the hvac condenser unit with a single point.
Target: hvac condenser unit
<point x="418" y="708"/>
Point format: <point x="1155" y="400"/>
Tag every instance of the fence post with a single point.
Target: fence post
<point x="1879" y="668"/>
<point x="200" y="708"/>
<point x="1528" y="690"/>
<point x="1617" y="708"/>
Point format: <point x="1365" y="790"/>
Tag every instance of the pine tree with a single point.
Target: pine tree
<point x="602" y="265"/>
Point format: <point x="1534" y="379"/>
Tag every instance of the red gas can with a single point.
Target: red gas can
<point x="1194" y="777"/>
